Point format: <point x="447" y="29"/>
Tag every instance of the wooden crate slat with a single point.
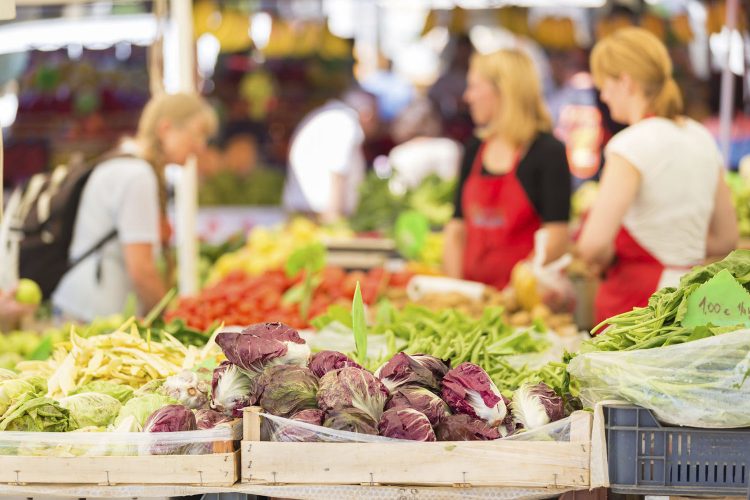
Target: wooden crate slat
<point x="205" y="470"/>
<point x="476" y="463"/>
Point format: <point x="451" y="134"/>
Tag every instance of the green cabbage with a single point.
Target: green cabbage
<point x="92" y="409"/>
<point x="120" y="392"/>
<point x="39" y="383"/>
<point x="39" y="414"/>
<point x="152" y="387"/>
<point x="142" y="407"/>
<point x="6" y="374"/>
<point x="13" y="391"/>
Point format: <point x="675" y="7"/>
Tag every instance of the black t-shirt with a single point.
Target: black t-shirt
<point x="543" y="173"/>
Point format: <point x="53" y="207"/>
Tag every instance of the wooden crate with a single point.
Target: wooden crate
<point x="217" y="469"/>
<point x="459" y="463"/>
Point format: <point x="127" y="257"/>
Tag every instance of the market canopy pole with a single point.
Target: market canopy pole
<point x="727" y="86"/>
<point x="186" y="202"/>
<point x="7" y="11"/>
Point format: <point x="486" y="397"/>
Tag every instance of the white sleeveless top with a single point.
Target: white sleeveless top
<point x="680" y="165"/>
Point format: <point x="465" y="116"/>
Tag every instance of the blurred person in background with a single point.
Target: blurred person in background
<point x="422" y="150"/>
<point x="326" y="161"/>
<point x="126" y="197"/>
<point x="663" y="205"/>
<point x="448" y="90"/>
<point x="514" y="179"/>
<point x="392" y="91"/>
<point x="235" y="172"/>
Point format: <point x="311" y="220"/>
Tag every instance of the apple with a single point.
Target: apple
<point x="28" y="292"/>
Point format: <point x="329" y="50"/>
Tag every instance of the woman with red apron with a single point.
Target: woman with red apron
<point x="663" y="205"/>
<point x="514" y="182"/>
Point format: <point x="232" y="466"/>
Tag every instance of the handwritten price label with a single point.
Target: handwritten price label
<point x="721" y="301"/>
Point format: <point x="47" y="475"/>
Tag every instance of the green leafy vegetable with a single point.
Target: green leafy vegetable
<point x="660" y="323"/>
<point x="335" y="313"/>
<point x="159" y="308"/>
<point x="142" y="407"/>
<point x="39" y="414"/>
<point x="310" y="260"/>
<point x="91" y="409"/>
<point x="13" y="391"/>
<point x="120" y="392"/>
<point x="359" y="327"/>
<point x="410" y="233"/>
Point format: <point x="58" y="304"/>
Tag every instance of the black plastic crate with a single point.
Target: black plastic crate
<point x="648" y="458"/>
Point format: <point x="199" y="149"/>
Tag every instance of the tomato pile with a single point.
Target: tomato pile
<point x="241" y="299"/>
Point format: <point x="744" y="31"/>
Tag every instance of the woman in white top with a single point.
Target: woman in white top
<point x="127" y="194"/>
<point x="663" y="205"/>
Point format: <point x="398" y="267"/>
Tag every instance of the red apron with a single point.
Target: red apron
<point x="500" y="224"/>
<point x="631" y="280"/>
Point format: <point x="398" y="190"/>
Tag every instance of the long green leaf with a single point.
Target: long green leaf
<point x="359" y="327"/>
<point x="159" y="308"/>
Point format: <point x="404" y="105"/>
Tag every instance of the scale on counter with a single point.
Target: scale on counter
<point x="360" y="253"/>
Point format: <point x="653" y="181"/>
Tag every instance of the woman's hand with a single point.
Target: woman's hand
<point x="723" y="234"/>
<point x="617" y="190"/>
<point x="11" y="311"/>
<point x="453" y="252"/>
<point x="558" y="240"/>
<point x="149" y="285"/>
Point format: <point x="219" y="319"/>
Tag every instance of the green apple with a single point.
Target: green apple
<point x="28" y="292"/>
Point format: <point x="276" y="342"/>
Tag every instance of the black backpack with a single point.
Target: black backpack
<point x="46" y="219"/>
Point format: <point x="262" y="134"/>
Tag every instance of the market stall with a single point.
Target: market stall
<point x="302" y="358"/>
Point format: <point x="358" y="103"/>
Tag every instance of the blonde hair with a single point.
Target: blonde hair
<point x="641" y="55"/>
<point x="521" y="114"/>
<point x="177" y="109"/>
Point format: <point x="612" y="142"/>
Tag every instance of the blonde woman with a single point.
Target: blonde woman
<point x="663" y="205"/>
<point x="514" y="179"/>
<point x="123" y="208"/>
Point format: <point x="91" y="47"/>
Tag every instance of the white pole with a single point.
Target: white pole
<point x="7" y="11"/>
<point x="727" y="86"/>
<point x="186" y="202"/>
<point x="2" y="181"/>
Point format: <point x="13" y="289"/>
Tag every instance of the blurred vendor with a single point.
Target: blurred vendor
<point x="663" y="205"/>
<point x="235" y="172"/>
<point x="326" y="161"/>
<point x="514" y="179"/>
<point x="421" y="150"/>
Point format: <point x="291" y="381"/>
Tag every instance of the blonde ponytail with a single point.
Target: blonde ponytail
<point x="641" y="55"/>
<point x="668" y="102"/>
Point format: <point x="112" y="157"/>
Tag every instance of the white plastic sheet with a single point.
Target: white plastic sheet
<point x="697" y="384"/>
<point x="275" y="428"/>
<point x="100" y="444"/>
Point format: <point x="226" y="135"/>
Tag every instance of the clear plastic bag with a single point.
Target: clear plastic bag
<point x="102" y="444"/>
<point x="697" y="384"/>
<point x="536" y="283"/>
<point x="275" y="428"/>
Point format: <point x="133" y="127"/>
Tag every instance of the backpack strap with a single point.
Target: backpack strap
<point x="111" y="155"/>
<point x="91" y="251"/>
